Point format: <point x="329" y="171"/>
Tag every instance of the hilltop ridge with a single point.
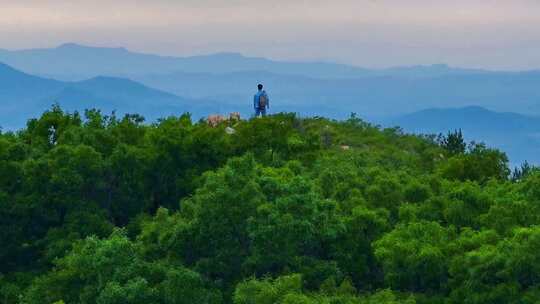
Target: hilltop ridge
<point x="305" y="209"/>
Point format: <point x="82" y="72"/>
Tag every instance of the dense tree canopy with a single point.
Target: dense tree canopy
<point x="100" y="209"/>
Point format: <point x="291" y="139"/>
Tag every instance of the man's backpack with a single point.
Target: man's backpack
<point x="263" y="101"/>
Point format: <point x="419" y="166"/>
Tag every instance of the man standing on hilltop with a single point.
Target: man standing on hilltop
<point x="261" y="102"/>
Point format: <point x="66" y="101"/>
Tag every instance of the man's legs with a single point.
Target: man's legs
<point x="260" y="112"/>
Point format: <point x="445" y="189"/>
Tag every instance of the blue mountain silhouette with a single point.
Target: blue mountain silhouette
<point x="516" y="134"/>
<point x="23" y="96"/>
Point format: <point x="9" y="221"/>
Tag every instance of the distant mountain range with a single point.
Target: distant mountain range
<point x="23" y="96"/>
<point x="76" y="62"/>
<point x="517" y="135"/>
<point x="309" y="88"/>
<point x="369" y="96"/>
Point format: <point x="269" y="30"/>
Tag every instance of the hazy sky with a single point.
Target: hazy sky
<point x="496" y="34"/>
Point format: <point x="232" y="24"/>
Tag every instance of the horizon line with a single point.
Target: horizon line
<point x="277" y="60"/>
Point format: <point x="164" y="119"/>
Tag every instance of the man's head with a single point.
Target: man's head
<point x="260" y="86"/>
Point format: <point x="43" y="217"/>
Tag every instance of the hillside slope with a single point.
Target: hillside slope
<point x="283" y="210"/>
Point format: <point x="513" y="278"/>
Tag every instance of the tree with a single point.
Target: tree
<point x="453" y="142"/>
<point x="414" y="256"/>
<point x="111" y="271"/>
<point x="504" y="272"/>
<point x="478" y="164"/>
<point x="285" y="229"/>
<point x="219" y="211"/>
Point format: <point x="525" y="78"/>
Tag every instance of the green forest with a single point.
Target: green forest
<point x="96" y="208"/>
